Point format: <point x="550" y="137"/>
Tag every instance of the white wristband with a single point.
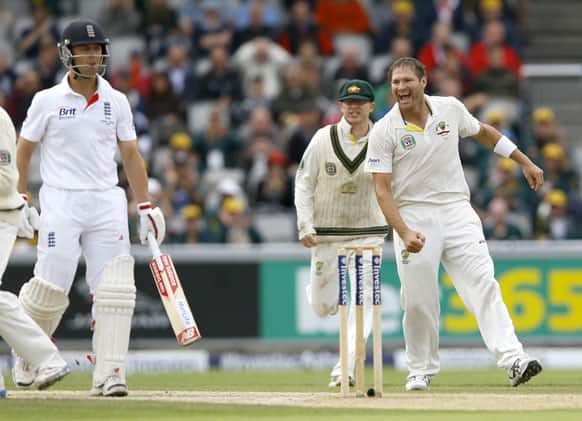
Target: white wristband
<point x="504" y="147"/>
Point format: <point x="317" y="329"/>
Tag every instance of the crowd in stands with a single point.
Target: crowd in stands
<point x="227" y="94"/>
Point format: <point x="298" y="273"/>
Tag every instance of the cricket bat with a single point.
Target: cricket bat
<point x="172" y="294"/>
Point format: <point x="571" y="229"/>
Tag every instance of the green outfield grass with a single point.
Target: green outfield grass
<point x="450" y="381"/>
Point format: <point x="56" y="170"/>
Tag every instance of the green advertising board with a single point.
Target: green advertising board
<point x="543" y="296"/>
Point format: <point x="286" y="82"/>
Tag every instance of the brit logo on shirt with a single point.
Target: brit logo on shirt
<point x="67" y="113"/>
<point x="107" y="113"/>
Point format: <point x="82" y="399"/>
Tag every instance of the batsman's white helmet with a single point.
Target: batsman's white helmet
<point x="78" y="33"/>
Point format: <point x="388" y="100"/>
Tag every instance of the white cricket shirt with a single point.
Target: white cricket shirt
<point x="425" y="163"/>
<point x="79" y="137"/>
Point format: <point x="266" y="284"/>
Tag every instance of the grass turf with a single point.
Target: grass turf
<point x="449" y="381"/>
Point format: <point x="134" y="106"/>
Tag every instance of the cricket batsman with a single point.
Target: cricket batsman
<point x="80" y="124"/>
<point x="19" y="220"/>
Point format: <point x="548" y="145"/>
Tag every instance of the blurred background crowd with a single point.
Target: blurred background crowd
<point x="227" y="94"/>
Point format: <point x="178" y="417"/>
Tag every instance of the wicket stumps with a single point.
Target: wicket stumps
<point x="376" y="323"/>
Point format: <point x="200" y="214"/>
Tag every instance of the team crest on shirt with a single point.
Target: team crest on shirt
<point x="408" y="142"/>
<point x="319" y="267"/>
<point x="5" y="157"/>
<point x="107" y="113"/>
<point x="330" y="168"/>
<point x="349" y="188"/>
<point x="442" y="128"/>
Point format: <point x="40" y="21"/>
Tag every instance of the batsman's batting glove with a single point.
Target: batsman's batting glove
<point x="150" y="220"/>
<point x="29" y="220"/>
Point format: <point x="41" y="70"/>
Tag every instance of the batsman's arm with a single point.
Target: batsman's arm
<point x="135" y="170"/>
<point x="24" y="150"/>
<point x="414" y="241"/>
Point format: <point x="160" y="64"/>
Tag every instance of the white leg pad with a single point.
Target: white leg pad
<point x="24" y="335"/>
<point x="114" y="304"/>
<point x="44" y="302"/>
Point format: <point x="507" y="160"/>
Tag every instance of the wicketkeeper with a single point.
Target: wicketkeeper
<point x="336" y="206"/>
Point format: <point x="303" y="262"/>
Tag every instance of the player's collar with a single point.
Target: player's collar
<point x="66" y="86"/>
<point x="346" y="127"/>
<point x="402" y="121"/>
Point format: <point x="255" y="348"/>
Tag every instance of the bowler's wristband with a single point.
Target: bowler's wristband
<point x="504" y="147"/>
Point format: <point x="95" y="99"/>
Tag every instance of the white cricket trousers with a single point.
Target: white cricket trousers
<point x="91" y="222"/>
<point x="454" y="236"/>
<point x="16" y="327"/>
<point x="323" y="289"/>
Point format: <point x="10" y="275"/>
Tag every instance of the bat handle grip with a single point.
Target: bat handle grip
<point x="154" y="247"/>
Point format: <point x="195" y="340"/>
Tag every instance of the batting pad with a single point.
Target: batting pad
<point x="114" y="304"/>
<point x="24" y="335"/>
<point x="44" y="302"/>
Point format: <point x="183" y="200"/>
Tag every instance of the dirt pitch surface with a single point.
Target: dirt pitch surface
<point x="422" y="401"/>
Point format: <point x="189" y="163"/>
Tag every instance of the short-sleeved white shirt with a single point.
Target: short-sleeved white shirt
<point x="79" y="137"/>
<point x="425" y="164"/>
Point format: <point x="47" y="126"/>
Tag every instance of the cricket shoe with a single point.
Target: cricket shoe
<point x="522" y="370"/>
<point x="336" y="381"/>
<point x="2" y="387"/>
<point x="418" y="383"/>
<point x="47" y="376"/>
<point x="23" y="374"/>
<point x="112" y="386"/>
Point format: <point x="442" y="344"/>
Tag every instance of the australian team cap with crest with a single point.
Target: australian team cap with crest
<point x="356" y="89"/>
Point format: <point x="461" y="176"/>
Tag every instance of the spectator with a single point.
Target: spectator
<point x="274" y="191"/>
<point x="231" y="224"/>
<point x="309" y="122"/>
<point x="342" y="16"/>
<point x="120" y="18"/>
<point x="262" y="57"/>
<point x="217" y="147"/>
<point x="256" y="26"/>
<point x="160" y="21"/>
<point x="546" y="128"/>
<point x="48" y="64"/>
<point x="401" y="25"/>
<point x="7" y="74"/>
<point x="493" y="36"/>
<point x="553" y="221"/>
<point x="221" y="81"/>
<point x="292" y="97"/>
<point x="214" y="31"/>
<point x="493" y="11"/>
<point x="26" y="85"/>
<point x="351" y="66"/>
<point x="497" y="225"/>
<point x="162" y="100"/>
<point x="497" y="80"/>
<point x="180" y="70"/>
<point x="302" y="27"/>
<point x="436" y="52"/>
<point x="558" y="172"/>
<point x="191" y="226"/>
<point x="42" y="29"/>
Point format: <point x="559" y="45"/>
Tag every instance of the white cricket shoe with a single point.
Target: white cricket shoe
<point x="2" y="387"/>
<point x="418" y="383"/>
<point x="47" y="376"/>
<point x="523" y="369"/>
<point x="336" y="381"/>
<point x="23" y="374"/>
<point x="112" y="386"/>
